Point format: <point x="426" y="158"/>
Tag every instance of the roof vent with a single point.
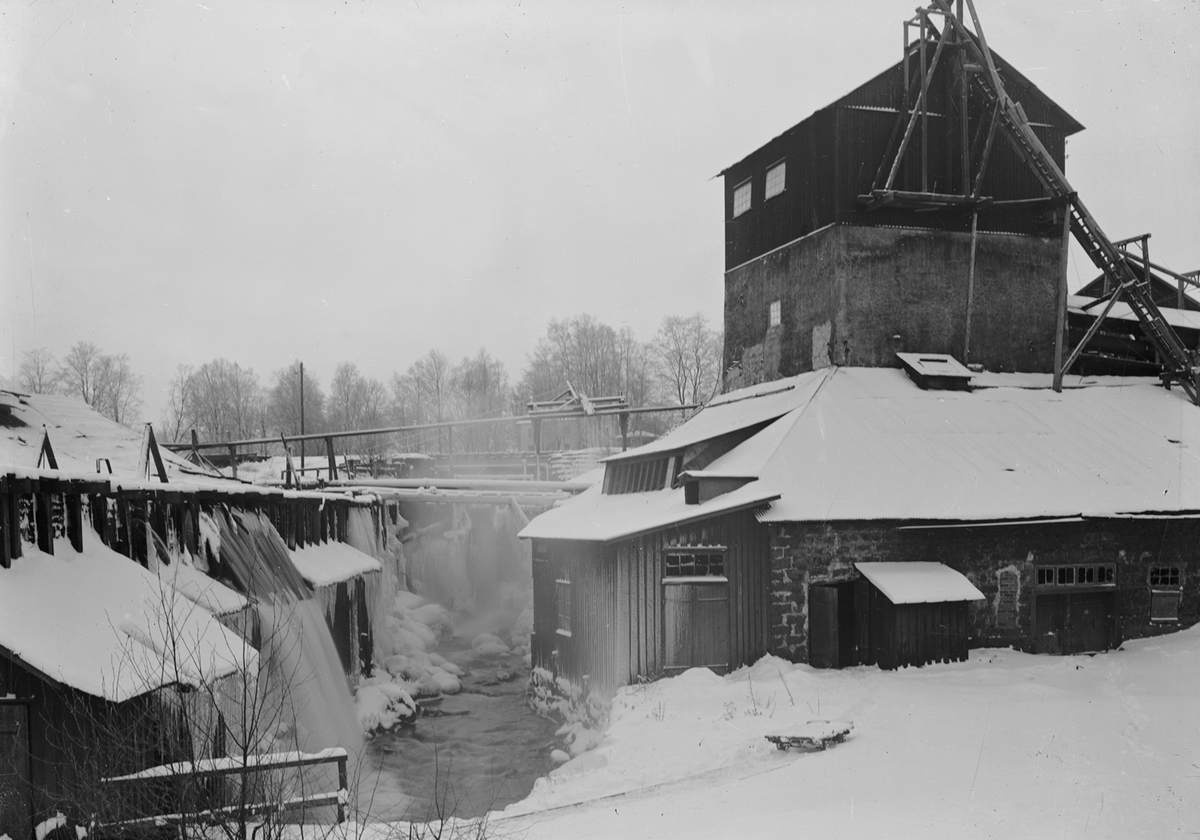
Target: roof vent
<point x="936" y="371"/>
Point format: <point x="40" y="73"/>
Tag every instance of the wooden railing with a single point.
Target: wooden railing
<point x="191" y="772"/>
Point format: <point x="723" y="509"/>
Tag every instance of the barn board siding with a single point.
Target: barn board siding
<point x="617" y="591"/>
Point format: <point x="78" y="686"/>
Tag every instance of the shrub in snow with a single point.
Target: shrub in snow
<point x="584" y="715"/>
<point x="381" y="705"/>
<point x="487" y="644"/>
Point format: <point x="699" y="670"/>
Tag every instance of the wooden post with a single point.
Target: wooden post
<point x="195" y="447"/>
<point x="233" y="461"/>
<point x="343" y="788"/>
<point x="331" y="469"/>
<point x="537" y="449"/>
<point x="75" y="520"/>
<point x="623" y="419"/>
<point x="42" y="522"/>
<point x="6" y="527"/>
<point x="970" y="287"/>
<point x="924" y="108"/>
<point x="1060" y="317"/>
<point x="156" y="456"/>
<point x="47" y="454"/>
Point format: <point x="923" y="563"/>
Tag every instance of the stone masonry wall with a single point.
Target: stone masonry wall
<point x="999" y="560"/>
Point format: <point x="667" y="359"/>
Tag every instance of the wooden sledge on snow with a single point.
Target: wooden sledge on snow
<point x="814" y="735"/>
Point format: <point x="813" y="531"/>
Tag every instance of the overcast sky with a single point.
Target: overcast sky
<point x="365" y="181"/>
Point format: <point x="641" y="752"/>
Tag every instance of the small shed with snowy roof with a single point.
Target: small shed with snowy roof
<point x="789" y="517"/>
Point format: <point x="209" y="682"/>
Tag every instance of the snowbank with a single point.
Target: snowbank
<point x="1004" y="745"/>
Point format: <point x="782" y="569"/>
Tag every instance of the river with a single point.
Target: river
<point x="470" y="753"/>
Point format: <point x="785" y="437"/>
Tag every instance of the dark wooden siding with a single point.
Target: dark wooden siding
<point x="833" y="157"/>
<point x="917" y="634"/>
<point x="617" y="599"/>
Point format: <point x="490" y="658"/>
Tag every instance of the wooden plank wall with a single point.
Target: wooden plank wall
<point x="617" y="600"/>
<point x="917" y="634"/>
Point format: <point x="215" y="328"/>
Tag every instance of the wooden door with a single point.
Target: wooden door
<point x="695" y="626"/>
<point x="823" y="647"/>
<point x="1075" y="622"/>
<point x="15" y="814"/>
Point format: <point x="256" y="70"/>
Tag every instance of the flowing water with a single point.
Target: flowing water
<point x="472" y="752"/>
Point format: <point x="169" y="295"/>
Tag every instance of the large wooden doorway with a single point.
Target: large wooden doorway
<point x="15" y="814"/>
<point x="1075" y="622"/>
<point x="696" y="625"/>
<point x="838" y="617"/>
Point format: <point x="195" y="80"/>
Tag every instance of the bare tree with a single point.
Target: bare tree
<point x="177" y="416"/>
<point x="479" y="387"/>
<point x="226" y="401"/>
<point x="688" y="358"/>
<point x="105" y="382"/>
<point x="431" y="375"/>
<point x="120" y="397"/>
<point x="80" y="371"/>
<point x="355" y="402"/>
<point x="283" y="403"/>
<point x="39" y="371"/>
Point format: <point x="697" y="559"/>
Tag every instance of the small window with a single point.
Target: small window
<point x="541" y="554"/>
<point x="1165" y="576"/>
<point x="741" y="199"/>
<point x="700" y="562"/>
<point x="1091" y="574"/>
<point x="775" y="314"/>
<point x="776" y="179"/>
<point x="1166" y="584"/>
<point x="562" y="594"/>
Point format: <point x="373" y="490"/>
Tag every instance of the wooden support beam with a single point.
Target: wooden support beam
<point x="1087" y="337"/>
<point x="970" y="288"/>
<point x="42" y="522"/>
<point x="1060" y="318"/>
<point x="46" y="456"/>
<point x="74" y="515"/>
<point x="6" y="526"/>
<point x="912" y="122"/>
<point x="331" y="466"/>
<point x="233" y="460"/>
<point x="155" y="455"/>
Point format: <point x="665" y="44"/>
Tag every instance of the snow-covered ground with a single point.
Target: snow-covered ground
<point x="1005" y="745"/>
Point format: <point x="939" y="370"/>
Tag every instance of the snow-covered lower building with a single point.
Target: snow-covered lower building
<point x="138" y="591"/>
<point x="1063" y="522"/>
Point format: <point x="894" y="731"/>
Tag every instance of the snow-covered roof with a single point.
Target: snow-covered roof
<point x="198" y="587"/>
<point x="79" y="435"/>
<point x="1121" y="311"/>
<point x="867" y="443"/>
<point x="324" y="564"/>
<point x="919" y="582"/>
<point x="872" y="445"/>
<point x="99" y="622"/>
<point x="594" y="516"/>
<point x="731" y="412"/>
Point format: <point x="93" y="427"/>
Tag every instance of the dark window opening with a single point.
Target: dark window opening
<point x="639" y="476"/>
<point x="1090" y="574"/>
<point x="562" y="595"/>
<point x="1165" y="576"/>
<point x="699" y="562"/>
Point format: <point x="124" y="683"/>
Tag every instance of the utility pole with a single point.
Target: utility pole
<point x="302" y="441"/>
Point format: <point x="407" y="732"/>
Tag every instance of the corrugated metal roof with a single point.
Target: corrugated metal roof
<point x="867" y="443"/>
<point x="732" y="412"/>
<point x="872" y="445"/>
<point x="596" y="517"/>
<point x="919" y="582"/>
